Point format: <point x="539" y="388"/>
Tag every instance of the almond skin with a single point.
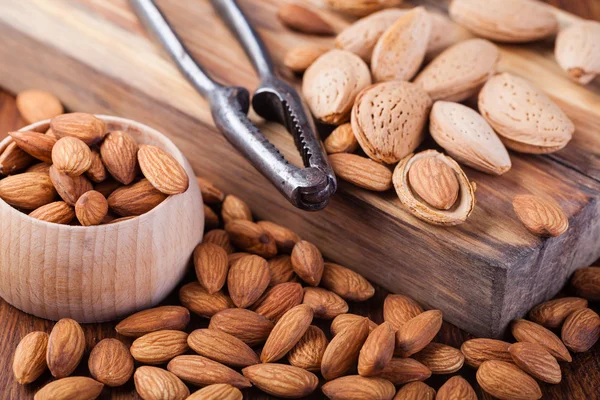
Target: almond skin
<point x="57" y="212"/>
<point x="586" y="282"/>
<point x="38" y="105"/>
<point x="282" y="380"/>
<point x="111" y="363"/>
<point x="355" y="387"/>
<point x="361" y="171"/>
<point x="153" y="383"/>
<point x="456" y="388"/>
<point x="36" y="144"/>
<point x="527" y="331"/>
<point x="211" y="264"/>
<point x="107" y="186"/>
<point x="581" y="330"/>
<point x="71" y="156"/>
<point x="119" y="155"/>
<point x="346" y="283"/>
<point x="343" y="350"/>
<point x="278" y="300"/>
<point x="476" y="351"/>
<point x="197" y="299"/>
<point x="287" y="332"/>
<point x="39" y="167"/>
<point x="506" y="381"/>
<point x="435" y="182"/>
<point x="218" y="391"/>
<point x="298" y="59"/>
<point x="154" y="319"/>
<point x="541" y="216"/>
<point x="72" y="388"/>
<point x="210" y="193"/>
<point x="211" y="219"/>
<point x="13" y="159"/>
<point x="308" y="352"/>
<point x="159" y="347"/>
<point x="398" y="310"/>
<point x="69" y="188"/>
<point x="342" y="321"/>
<point x="135" y="199"/>
<point x="418" y="332"/>
<point x="91" y="208"/>
<point x="246" y="325"/>
<point x="250" y="237"/>
<point x="536" y="361"/>
<point x="307" y="262"/>
<point x="281" y="270"/>
<point x="324" y="303"/>
<point x="419" y="391"/>
<point x="440" y="358"/>
<point x="220" y="238"/>
<point x="234" y="208"/>
<point x="285" y="238"/>
<point x="377" y="351"/>
<point x="162" y="170"/>
<point x="341" y="140"/>
<point x="97" y="171"/>
<point x="247" y="280"/>
<point x="66" y="345"/>
<point x="82" y="126"/>
<point x="201" y="371"/>
<point x="222" y="347"/>
<point x="403" y="370"/>
<point x="553" y="313"/>
<point x="30" y="357"/>
<point x="29" y="190"/>
<point x="304" y="20"/>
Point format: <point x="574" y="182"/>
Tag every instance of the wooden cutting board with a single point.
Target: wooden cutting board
<point x="96" y="57"/>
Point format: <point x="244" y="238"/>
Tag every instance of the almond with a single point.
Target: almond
<point x="39" y="167"/>
<point x="38" y="105"/>
<point x="249" y="236"/>
<point x="468" y="138"/>
<point x="581" y="330"/>
<point x="576" y="51"/>
<point x="211" y="219"/>
<point x="302" y="19"/>
<point x="154" y="383"/>
<point x="107" y="186"/>
<point x="30" y="357"/>
<point x="111" y="363"/>
<point x="388" y="120"/>
<point x="235" y="208"/>
<point x="358" y="387"/>
<point x="285" y="238"/>
<point x="73" y="388"/>
<point x="417" y="333"/>
<point x="346" y="283"/>
<point x="419" y="391"/>
<point x="536" y="361"/>
<point x="361" y="171"/>
<point x="135" y="199"/>
<point x="29" y="190"/>
<point x="220" y="238"/>
<point x="218" y="391"/>
<point x="211" y="264"/>
<point x="119" y="155"/>
<point x="69" y="188"/>
<point x="282" y="380"/>
<point x="526" y="119"/>
<point x="298" y="59"/>
<point x="541" y="216"/>
<point x="197" y="299"/>
<point x="342" y="352"/>
<point x="162" y="170"/>
<point x="456" y="388"/>
<point x="36" y="144"/>
<point x="71" y="156"/>
<point x="377" y="351"/>
<point x="13" y="159"/>
<point x="553" y="313"/>
<point x="435" y="182"/>
<point x="476" y="351"/>
<point x="360" y="8"/>
<point x="400" y="50"/>
<point x="342" y="321"/>
<point x="341" y="140"/>
<point x="324" y="303"/>
<point x="308" y="352"/>
<point x="527" y="331"/>
<point x="57" y="212"/>
<point x="506" y="381"/>
<point x="247" y="280"/>
<point x="66" y="345"/>
<point x="440" y="358"/>
<point x="457" y="73"/>
<point x="307" y="262"/>
<point x="222" y="347"/>
<point x="154" y="319"/>
<point x="91" y="208"/>
<point x="159" y="347"/>
<point x="248" y="326"/>
<point x="82" y="126"/>
<point x="210" y="193"/>
<point x="278" y="300"/>
<point x="281" y="270"/>
<point x="201" y="371"/>
<point x="96" y="172"/>
<point x="234" y="257"/>
<point x="403" y="370"/>
<point x="287" y="332"/>
<point x="398" y="310"/>
<point x="586" y="282"/>
<point x="331" y="84"/>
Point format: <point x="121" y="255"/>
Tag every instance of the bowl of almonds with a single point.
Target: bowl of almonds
<point x="97" y="215"/>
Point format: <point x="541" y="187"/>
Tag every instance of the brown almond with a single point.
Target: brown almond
<point x="527" y="331"/>
<point x="298" y="59"/>
<point x="211" y="264"/>
<point x="536" y="361"/>
<point x="307" y="262"/>
<point x="220" y="238"/>
<point x="343" y="350"/>
<point x="13" y="159"/>
<point x="111" y="363"/>
<point x="72" y="388"/>
<point x="456" y="388"/>
<point x="324" y="303"/>
<point x="246" y="325"/>
<point x="304" y="20"/>
<point x="211" y="219"/>
<point x="541" y="216"/>
<point x="210" y="193"/>
<point x="234" y="208"/>
<point x="119" y="155"/>
<point x="29" y="190"/>
<point x="435" y="182"/>
<point x="403" y="370"/>
<point x="159" y="347"/>
<point x="506" y="381"/>
<point x="201" y="371"/>
<point x="135" y="199"/>
<point x="218" y="391"/>
<point x="38" y="105"/>
<point x="154" y="319"/>
<point x="346" y="283"/>
<point x="234" y="257"/>
<point x="154" y="383"/>
<point x="553" y="313"/>
<point x="85" y="127"/>
<point x="285" y="238"/>
<point x="417" y="333"/>
<point x="281" y="270"/>
<point x="97" y="171"/>
<point x="39" y="167"/>
<point x="69" y="188"/>
<point x="476" y="351"/>
<point x="278" y="300"/>
<point x="377" y="351"/>
<point x="57" y="212"/>
<point x="162" y="170"/>
<point x="197" y="299"/>
<point x="249" y="236"/>
<point x="107" y="186"/>
<point x="581" y="330"/>
<point x="66" y="345"/>
<point x="91" y="208"/>
<point x="308" y="352"/>
<point x="287" y="332"/>
<point x="36" y="144"/>
<point x="419" y="391"/>
<point x="282" y="380"/>
<point x="30" y="357"/>
<point x="586" y="282"/>
<point x="398" y="309"/>
<point x="342" y="321"/>
<point x="361" y="171"/>
<point x="71" y="156"/>
<point x="247" y="280"/>
<point x="440" y="358"/>
<point x="341" y="140"/>
<point x="222" y="347"/>
<point x="358" y="387"/>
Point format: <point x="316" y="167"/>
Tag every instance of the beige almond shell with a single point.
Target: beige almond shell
<point x="419" y="208"/>
<point x="400" y="51"/>
<point x="444" y="33"/>
<point x="388" y="120"/>
<point x="526" y="119"/>
<point x="577" y="51"/>
<point x="457" y="73"/>
<point x="468" y="138"/>
<point x="511" y="21"/>
<point x="331" y="84"/>
<point x="360" y="8"/>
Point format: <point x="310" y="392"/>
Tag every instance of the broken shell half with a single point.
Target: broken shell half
<point x="457" y="214"/>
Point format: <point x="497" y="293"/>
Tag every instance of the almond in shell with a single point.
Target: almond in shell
<point x="201" y="371"/>
<point x="576" y="51"/>
<point x="536" y="361"/>
<point x="456" y="388"/>
<point x="377" y="351"/>
<point x="506" y="381"/>
<point x="251" y="237"/>
<point x="444" y="33"/>
<point x="278" y="300"/>
<point x="71" y="388"/>
<point x="287" y="332"/>
<point x="440" y="358"/>
<point x="198" y="300"/>
<point x="354" y="387"/>
<point x="581" y="330"/>
<point x="586" y="282"/>
<point x="222" y="347"/>
<point x="211" y="264"/>
<point x="248" y="326"/>
<point x="38" y="105"/>
<point x="154" y="383"/>
<point x="66" y="345"/>
<point x="417" y="391"/>
<point x="417" y="333"/>
<point x="527" y="331"/>
<point x="218" y="391"/>
<point x="85" y="127"/>
<point x="135" y="199"/>
<point x="553" y="313"/>
<point x="159" y="347"/>
<point x="30" y="357"/>
<point x="477" y="351"/>
<point x="342" y="321"/>
<point x="29" y="190"/>
<point x="57" y="212"/>
<point x="342" y="352"/>
<point x="298" y="59"/>
<point x="308" y="352"/>
<point x="403" y="370"/>
<point x="346" y="283"/>
<point x="302" y="19"/>
<point x="111" y="363"/>
<point x="282" y="380"/>
<point x="36" y="144"/>
<point x="162" y="170"/>
<point x="541" y="216"/>
<point x="361" y="171"/>
<point x="154" y="319"/>
<point x="399" y="309"/>
<point x="14" y="159"/>
<point x="119" y="155"/>
<point x="341" y="140"/>
<point x="324" y="303"/>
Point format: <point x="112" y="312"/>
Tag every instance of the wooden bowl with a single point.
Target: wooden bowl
<point x="105" y="272"/>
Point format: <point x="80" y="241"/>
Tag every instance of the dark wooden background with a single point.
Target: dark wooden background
<point x="581" y="378"/>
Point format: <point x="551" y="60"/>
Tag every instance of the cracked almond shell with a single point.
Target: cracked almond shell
<point x="577" y="51"/>
<point x="457" y="214"/>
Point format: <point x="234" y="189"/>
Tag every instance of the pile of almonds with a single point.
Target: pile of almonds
<point x="79" y="173"/>
<point x="266" y="293"/>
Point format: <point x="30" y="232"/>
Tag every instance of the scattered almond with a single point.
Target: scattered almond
<point x="159" y="347"/>
<point x="211" y="264"/>
<point x="281" y="270"/>
<point x="419" y="391"/>
<point x="210" y="193"/>
<point x="586" y="282"/>
<point x="135" y="199"/>
<point x="38" y="105"/>
<point x="235" y="208"/>
<point x="282" y="380"/>
<point x="82" y="126"/>
<point x="417" y="333"/>
<point x="66" y="345"/>
<point x="377" y="350"/>
<point x="527" y="331"/>
<point x="251" y="237"/>
<point x="111" y="363"/>
<point x="581" y="330"/>
<point x="285" y="238"/>
<point x="541" y="216"/>
<point x="201" y="371"/>
<point x="154" y="319"/>
<point x="302" y="19"/>
<point x="287" y="332"/>
<point x="307" y="262"/>
<point x="440" y="358"/>
<point x="308" y="352"/>
<point x="72" y="388"/>
<point x="91" y="208"/>
<point x="119" y="155"/>
<point x="341" y="140"/>
<point x="198" y="300"/>
<point x="506" y="381"/>
<point x="298" y="59"/>
<point x="222" y="347"/>
<point x="278" y="300"/>
<point x="403" y="370"/>
<point x="324" y="303"/>
<point x="342" y="321"/>
<point x="218" y="391"/>
<point x="536" y="361"/>
<point x="358" y="387"/>
<point x="398" y="309"/>
<point x="154" y="383"/>
<point x="476" y="351"/>
<point x="553" y="313"/>
<point x="248" y="326"/>
<point x="456" y="388"/>
<point x="36" y="144"/>
<point x="361" y="171"/>
<point x="57" y="212"/>
<point x="346" y="283"/>
<point x="247" y="280"/>
<point x="343" y="350"/>
<point x="30" y="357"/>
